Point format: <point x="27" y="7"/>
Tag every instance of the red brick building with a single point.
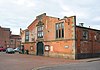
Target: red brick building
<point x="5" y="34"/>
<point x="87" y="42"/>
<point x="15" y="41"/>
<point x="7" y="39"/>
<point x="55" y="37"/>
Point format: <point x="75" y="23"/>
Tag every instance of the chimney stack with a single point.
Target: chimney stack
<point x="81" y="24"/>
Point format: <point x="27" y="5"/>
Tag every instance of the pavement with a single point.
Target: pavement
<point x="70" y="62"/>
<point x="94" y="65"/>
<point x="30" y="62"/>
<point x="90" y="59"/>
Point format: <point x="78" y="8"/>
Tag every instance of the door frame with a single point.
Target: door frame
<point x="37" y="52"/>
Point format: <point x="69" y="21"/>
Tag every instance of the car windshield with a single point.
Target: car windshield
<point x="10" y="49"/>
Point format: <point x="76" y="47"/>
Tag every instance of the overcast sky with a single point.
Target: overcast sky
<point x="16" y="14"/>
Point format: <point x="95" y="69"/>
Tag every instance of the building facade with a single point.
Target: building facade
<point x="55" y="37"/>
<point x="15" y="41"/>
<point x="87" y="42"/>
<point x="5" y="34"/>
<point x="7" y="39"/>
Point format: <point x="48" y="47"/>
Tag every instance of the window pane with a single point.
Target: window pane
<point x="42" y="28"/>
<point x="62" y="25"/>
<point x="37" y="28"/>
<point x="85" y="34"/>
<point x="59" y="33"/>
<point x="42" y="33"/>
<point x="27" y="32"/>
<point x="38" y="34"/>
<point x="56" y="33"/>
<point x="62" y="33"/>
<point x="57" y="26"/>
<point x="60" y="30"/>
<point x="27" y="38"/>
<point x="11" y="40"/>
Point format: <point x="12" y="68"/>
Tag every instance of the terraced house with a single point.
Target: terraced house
<point x="55" y="37"/>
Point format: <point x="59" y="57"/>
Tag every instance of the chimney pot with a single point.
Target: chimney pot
<point x="81" y="24"/>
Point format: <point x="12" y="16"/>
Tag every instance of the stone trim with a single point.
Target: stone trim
<point x="59" y="55"/>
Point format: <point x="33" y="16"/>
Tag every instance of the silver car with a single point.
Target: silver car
<point x="10" y="50"/>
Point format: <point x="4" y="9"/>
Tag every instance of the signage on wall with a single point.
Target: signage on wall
<point x="31" y="47"/>
<point x="51" y="48"/>
<point x="7" y="45"/>
<point x="47" y="48"/>
<point x="66" y="46"/>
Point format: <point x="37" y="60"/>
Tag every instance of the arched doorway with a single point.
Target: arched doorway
<point x="40" y="48"/>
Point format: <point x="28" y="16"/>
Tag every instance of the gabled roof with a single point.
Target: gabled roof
<point x="39" y="17"/>
<point x="32" y="23"/>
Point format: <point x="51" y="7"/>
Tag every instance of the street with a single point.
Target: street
<point x="31" y="62"/>
<point x="95" y="65"/>
<point x="28" y="62"/>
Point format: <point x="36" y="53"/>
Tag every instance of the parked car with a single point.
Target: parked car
<point x="2" y="49"/>
<point x="17" y="49"/>
<point x="10" y="50"/>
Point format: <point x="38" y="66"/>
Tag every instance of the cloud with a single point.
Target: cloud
<point x="72" y="8"/>
<point x="20" y="13"/>
<point x="86" y="11"/>
<point x="25" y="3"/>
<point x="97" y="19"/>
<point x="16" y="13"/>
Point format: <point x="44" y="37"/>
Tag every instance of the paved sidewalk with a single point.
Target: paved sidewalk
<point x="90" y="59"/>
<point x="69" y="62"/>
<point x="94" y="65"/>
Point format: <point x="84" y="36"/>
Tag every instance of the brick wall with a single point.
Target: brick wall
<point x="89" y="47"/>
<point x="5" y="37"/>
<point x="64" y="47"/>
